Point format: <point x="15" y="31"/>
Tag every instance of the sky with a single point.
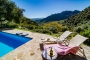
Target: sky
<point x="44" y="8"/>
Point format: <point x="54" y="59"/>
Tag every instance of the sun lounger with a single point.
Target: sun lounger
<point x="59" y="39"/>
<point x="73" y="46"/>
<point x="24" y="34"/>
<point x="63" y="36"/>
<point x="18" y="33"/>
<point x="21" y="34"/>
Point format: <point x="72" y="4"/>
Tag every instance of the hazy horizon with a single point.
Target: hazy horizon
<point x="44" y="8"/>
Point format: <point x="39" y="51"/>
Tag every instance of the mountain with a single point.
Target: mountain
<point x="81" y="19"/>
<point x="36" y="19"/>
<point x="59" y="16"/>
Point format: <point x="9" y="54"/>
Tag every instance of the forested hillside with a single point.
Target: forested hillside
<point x="81" y="19"/>
<point x="59" y="16"/>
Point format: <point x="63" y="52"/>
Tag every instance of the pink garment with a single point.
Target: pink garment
<point x="62" y="49"/>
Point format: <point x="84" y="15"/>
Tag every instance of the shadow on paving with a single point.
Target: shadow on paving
<point x="41" y="46"/>
<point x="68" y="57"/>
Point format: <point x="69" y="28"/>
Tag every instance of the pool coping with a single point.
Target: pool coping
<point x="27" y="51"/>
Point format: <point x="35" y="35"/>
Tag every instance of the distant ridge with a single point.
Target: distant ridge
<point x="59" y="16"/>
<point x="36" y="19"/>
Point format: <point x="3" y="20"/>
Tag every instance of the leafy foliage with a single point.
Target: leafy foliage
<point x="43" y="31"/>
<point x="54" y="27"/>
<point x="14" y="15"/>
<point x="79" y="29"/>
<point x="87" y="34"/>
<point x="64" y="28"/>
<point x="9" y="11"/>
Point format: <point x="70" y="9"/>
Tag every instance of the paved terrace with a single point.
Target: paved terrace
<point x="31" y="50"/>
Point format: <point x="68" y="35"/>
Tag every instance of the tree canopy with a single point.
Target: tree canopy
<point x="10" y="12"/>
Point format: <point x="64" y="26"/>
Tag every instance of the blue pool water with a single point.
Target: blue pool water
<point x="9" y="42"/>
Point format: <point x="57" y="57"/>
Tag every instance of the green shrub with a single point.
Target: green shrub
<point x="39" y="27"/>
<point x="29" y="27"/>
<point x="11" y="26"/>
<point x="54" y="27"/>
<point x="64" y="28"/>
<point x="87" y="34"/>
<point x="79" y="29"/>
<point x="71" y="36"/>
<point x="85" y="27"/>
<point x="42" y="31"/>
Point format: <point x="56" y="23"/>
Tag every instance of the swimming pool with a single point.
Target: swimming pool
<point x="9" y="42"/>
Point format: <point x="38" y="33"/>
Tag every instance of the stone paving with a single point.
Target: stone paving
<point x="31" y="50"/>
